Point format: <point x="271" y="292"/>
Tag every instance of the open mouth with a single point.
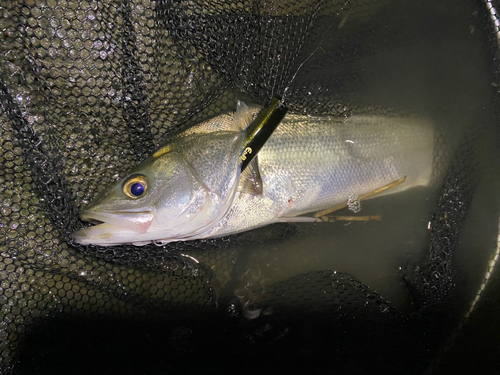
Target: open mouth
<point x="138" y="222"/>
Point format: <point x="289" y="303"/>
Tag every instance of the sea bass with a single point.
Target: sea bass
<point x="193" y="188"/>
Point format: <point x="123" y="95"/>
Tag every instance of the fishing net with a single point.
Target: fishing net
<point x="89" y="88"/>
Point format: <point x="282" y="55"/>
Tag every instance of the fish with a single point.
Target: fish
<point x="193" y="188"/>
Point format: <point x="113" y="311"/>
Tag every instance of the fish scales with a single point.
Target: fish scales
<point x="314" y="163"/>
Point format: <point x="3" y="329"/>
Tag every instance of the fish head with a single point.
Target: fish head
<point x="181" y="192"/>
<point x="159" y="200"/>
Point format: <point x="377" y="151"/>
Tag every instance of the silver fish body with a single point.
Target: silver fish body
<point x="315" y="163"/>
<point x="310" y="163"/>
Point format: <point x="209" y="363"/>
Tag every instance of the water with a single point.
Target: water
<point x="436" y="67"/>
<point x="374" y="252"/>
<point x="431" y="59"/>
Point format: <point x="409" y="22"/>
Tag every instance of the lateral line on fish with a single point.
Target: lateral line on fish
<point x="363" y="197"/>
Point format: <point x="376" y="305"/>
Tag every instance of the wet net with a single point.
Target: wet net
<point x="89" y="88"/>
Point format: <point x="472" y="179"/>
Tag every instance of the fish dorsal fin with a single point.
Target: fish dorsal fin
<point x="250" y="180"/>
<point x="242" y="117"/>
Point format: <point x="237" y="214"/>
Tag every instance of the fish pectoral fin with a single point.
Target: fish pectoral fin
<point x="250" y="180"/>
<point x="243" y="116"/>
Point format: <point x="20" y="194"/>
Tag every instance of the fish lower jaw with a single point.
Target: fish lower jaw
<point x="106" y="234"/>
<point x="137" y="222"/>
<point x="100" y="234"/>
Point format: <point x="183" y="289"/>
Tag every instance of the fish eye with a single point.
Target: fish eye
<point x="135" y="187"/>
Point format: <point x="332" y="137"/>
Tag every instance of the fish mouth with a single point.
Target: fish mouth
<point x="138" y="222"/>
<point x="113" y="228"/>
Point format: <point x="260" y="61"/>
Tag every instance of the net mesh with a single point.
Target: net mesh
<point x="88" y="89"/>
